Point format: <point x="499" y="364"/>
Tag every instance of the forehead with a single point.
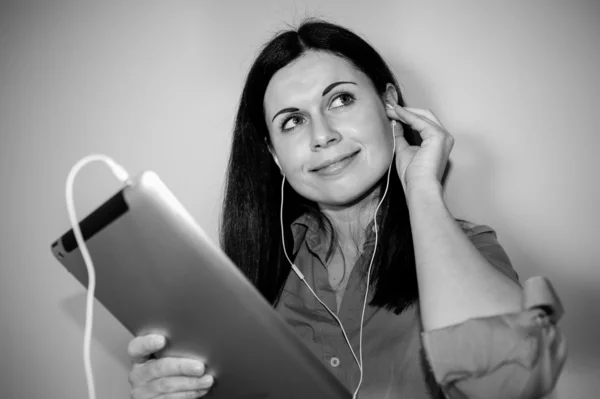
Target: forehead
<point x="306" y="77"/>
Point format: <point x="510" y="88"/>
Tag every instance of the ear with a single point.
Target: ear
<point x="391" y="94"/>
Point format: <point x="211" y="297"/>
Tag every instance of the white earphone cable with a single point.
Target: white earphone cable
<point x="121" y="174"/>
<point x="301" y="276"/>
<point x="373" y="257"/>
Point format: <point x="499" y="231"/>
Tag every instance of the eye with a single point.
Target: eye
<point x="294" y="118"/>
<point x="343" y="99"/>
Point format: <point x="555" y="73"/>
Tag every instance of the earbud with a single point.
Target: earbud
<point x="277" y="162"/>
<point x="390" y="106"/>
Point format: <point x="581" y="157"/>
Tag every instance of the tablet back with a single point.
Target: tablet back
<point x="157" y="271"/>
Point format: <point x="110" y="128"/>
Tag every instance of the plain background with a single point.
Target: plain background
<point x="156" y="85"/>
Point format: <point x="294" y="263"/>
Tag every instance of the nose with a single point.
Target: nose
<point x="323" y="134"/>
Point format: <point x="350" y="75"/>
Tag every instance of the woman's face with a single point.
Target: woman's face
<point x="320" y="108"/>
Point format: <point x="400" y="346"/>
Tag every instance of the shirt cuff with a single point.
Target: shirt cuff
<point x="515" y="355"/>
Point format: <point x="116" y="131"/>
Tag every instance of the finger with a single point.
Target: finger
<point x="140" y="348"/>
<point x="400" y="140"/>
<point x="426" y="113"/>
<point x="171" y="367"/>
<point x="184" y="395"/>
<point x="178" y="384"/>
<point x="390" y="111"/>
<point x="418" y="122"/>
<point x="202" y="392"/>
<point x="175" y="395"/>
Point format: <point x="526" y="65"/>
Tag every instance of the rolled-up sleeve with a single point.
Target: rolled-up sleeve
<point x="517" y="355"/>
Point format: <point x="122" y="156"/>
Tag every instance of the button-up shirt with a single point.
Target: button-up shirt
<point x="506" y="356"/>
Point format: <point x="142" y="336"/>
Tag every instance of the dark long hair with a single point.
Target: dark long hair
<point x="250" y="230"/>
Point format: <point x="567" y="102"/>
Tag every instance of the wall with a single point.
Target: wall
<point x="155" y="85"/>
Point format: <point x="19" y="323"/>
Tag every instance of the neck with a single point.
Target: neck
<point x="351" y="221"/>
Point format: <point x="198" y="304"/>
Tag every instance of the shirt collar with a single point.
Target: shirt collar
<point x="306" y="228"/>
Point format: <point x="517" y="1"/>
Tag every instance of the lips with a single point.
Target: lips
<point x="334" y="160"/>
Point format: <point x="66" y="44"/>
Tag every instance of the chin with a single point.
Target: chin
<point x="340" y="194"/>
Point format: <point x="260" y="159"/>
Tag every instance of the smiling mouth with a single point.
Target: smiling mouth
<point x="333" y="165"/>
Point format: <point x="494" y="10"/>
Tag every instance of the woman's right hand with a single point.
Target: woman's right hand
<point x="165" y="378"/>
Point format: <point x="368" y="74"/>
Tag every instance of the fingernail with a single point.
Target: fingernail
<point x="389" y="106"/>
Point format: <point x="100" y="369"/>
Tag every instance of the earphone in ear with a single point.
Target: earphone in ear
<point x="277" y="162"/>
<point x="393" y="122"/>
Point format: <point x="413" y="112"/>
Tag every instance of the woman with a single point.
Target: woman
<point x="321" y="113"/>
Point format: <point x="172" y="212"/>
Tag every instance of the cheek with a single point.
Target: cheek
<point x="372" y="124"/>
<point x="291" y="157"/>
<point x="379" y="138"/>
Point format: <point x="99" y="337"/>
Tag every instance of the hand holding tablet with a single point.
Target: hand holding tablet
<point x="150" y="377"/>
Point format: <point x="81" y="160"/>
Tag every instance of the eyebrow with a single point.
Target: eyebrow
<point x="327" y="90"/>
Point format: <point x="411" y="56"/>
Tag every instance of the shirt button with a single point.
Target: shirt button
<point x="334" y="362"/>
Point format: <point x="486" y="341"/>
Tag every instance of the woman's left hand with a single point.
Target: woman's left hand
<point x="424" y="165"/>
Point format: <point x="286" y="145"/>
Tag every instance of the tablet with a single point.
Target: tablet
<point x="157" y="271"/>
